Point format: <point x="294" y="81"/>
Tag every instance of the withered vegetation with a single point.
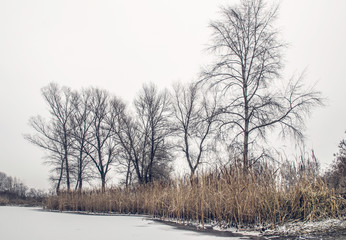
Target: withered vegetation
<point x="227" y="197"/>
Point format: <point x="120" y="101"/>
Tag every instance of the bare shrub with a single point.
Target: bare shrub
<point x="336" y="176"/>
<point x="303" y="167"/>
<point x="4" y="201"/>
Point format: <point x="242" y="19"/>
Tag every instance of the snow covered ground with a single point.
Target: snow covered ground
<point x="33" y="223"/>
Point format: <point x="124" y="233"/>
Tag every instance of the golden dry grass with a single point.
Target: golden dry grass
<point x="225" y="197"/>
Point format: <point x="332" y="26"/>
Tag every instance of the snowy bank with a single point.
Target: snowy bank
<point x="34" y="223"/>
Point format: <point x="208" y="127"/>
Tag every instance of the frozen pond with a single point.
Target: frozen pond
<point x="33" y="223"/>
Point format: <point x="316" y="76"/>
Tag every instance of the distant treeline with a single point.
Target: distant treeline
<point x="13" y="191"/>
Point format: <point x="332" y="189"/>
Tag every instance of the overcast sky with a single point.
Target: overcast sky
<point x="119" y="44"/>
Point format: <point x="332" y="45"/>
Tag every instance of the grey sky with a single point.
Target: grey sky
<point x="118" y="45"/>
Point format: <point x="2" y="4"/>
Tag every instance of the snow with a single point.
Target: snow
<point x="34" y="223"/>
<point x="305" y="228"/>
<point x="235" y="230"/>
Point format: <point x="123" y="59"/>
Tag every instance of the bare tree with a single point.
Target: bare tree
<point x="55" y="135"/>
<point x="247" y="70"/>
<point x="101" y="147"/>
<point x="144" y="138"/>
<point x="81" y="125"/>
<point x="153" y="110"/>
<point x="195" y="116"/>
<point x="118" y="123"/>
<point x="130" y="140"/>
<point x="47" y="138"/>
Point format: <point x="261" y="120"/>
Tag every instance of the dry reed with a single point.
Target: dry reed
<point x="226" y="197"/>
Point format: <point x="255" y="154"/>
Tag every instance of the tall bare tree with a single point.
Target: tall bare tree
<point x="195" y="112"/>
<point x="55" y="135"/>
<point x="81" y="125"/>
<point x="130" y="140"/>
<point x="153" y="111"/>
<point x="249" y="60"/>
<point x="144" y="138"/>
<point x="47" y="138"/>
<point x="101" y="147"/>
<point x="118" y="122"/>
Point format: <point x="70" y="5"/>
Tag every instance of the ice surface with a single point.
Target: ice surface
<point x="32" y="223"/>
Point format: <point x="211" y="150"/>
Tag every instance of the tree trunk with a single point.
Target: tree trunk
<point x="60" y="177"/>
<point x="246" y="149"/>
<point x="66" y="161"/>
<point x="103" y="179"/>
<point x="128" y="174"/>
<point x="67" y="173"/>
<point x="246" y="127"/>
<point x="80" y="185"/>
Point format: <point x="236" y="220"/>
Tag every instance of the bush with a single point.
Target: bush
<point x="4" y="201"/>
<point x="336" y="176"/>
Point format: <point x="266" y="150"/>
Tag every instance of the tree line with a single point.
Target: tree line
<point x="226" y="114"/>
<point x="90" y="131"/>
<point x="14" y="188"/>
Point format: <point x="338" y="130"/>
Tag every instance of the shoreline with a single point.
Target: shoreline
<point x="323" y="229"/>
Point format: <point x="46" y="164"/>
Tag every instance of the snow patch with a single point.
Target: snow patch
<point x="35" y="223"/>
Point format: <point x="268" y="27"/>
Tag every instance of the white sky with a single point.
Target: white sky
<point x="118" y="45"/>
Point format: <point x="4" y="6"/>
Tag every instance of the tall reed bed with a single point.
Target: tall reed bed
<point x="225" y="197"/>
